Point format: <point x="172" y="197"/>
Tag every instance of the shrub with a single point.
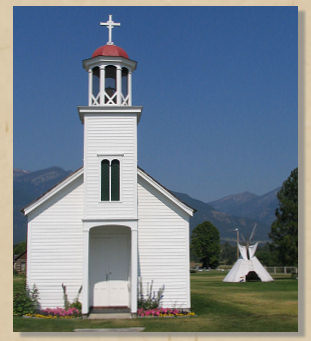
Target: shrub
<point x="26" y="301"/>
<point x="152" y="299"/>
<point x="65" y="296"/>
<point x="163" y="312"/>
<point x="75" y="304"/>
<point x="60" y="312"/>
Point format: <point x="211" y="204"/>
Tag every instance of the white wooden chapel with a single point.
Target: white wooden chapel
<point x="109" y="225"/>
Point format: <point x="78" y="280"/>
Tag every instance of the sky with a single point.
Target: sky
<point x="218" y="86"/>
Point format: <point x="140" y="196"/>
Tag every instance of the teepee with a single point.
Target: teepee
<point x="247" y="265"/>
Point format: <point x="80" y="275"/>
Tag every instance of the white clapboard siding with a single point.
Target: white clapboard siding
<point x="163" y="246"/>
<point x="54" y="245"/>
<point x="108" y="134"/>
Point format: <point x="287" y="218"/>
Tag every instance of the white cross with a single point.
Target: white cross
<point x="110" y="25"/>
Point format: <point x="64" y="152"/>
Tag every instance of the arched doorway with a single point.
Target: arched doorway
<point x="109" y="268"/>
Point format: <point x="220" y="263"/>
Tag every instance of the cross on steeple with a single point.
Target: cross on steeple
<point x="110" y="25"/>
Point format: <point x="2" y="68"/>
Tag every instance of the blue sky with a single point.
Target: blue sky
<point x="218" y="86"/>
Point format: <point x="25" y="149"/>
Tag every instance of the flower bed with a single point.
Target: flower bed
<point x="55" y="313"/>
<point x="163" y="312"/>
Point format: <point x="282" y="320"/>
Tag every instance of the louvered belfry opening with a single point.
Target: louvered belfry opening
<point x="95" y="85"/>
<point x="111" y="85"/>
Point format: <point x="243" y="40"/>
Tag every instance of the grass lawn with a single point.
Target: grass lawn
<point x="221" y="307"/>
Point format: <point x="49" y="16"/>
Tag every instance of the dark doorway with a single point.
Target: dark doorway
<point x="252" y="277"/>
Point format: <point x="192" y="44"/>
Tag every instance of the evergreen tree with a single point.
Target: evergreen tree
<point x="284" y="230"/>
<point x="266" y="256"/>
<point x="19" y="248"/>
<point x="227" y="253"/>
<point x="205" y="244"/>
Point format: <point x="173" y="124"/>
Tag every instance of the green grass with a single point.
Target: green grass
<point x="221" y="307"/>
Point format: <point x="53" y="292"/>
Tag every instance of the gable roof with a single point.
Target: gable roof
<point x="52" y="191"/>
<point x="170" y="195"/>
<point x="79" y="172"/>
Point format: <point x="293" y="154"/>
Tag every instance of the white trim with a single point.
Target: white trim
<point x="129" y="86"/>
<point x="109" y="60"/>
<point x="134" y="266"/>
<point x="90" y="72"/>
<point x="109" y="110"/>
<point x="108" y="220"/>
<point x="85" y="280"/>
<point x="162" y="190"/>
<point x="119" y="84"/>
<point x="29" y="252"/>
<point x="102" y="76"/>
<point x="187" y="237"/>
<point x="53" y="191"/>
<point x="112" y="155"/>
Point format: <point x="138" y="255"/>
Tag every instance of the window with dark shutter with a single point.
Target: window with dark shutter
<point x="105" y="180"/>
<point x="115" y="180"/>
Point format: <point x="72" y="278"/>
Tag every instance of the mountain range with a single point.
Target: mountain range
<point x="242" y="210"/>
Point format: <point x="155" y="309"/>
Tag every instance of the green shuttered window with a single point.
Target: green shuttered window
<point x="110" y="180"/>
<point x="115" y="180"/>
<point x="105" y="180"/>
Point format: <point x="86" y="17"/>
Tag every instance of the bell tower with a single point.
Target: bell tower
<point x="110" y="134"/>
<point x="110" y="73"/>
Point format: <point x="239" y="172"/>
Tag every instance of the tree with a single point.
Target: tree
<point x="284" y="230"/>
<point x="266" y="256"/>
<point x="19" y="248"/>
<point x="205" y="244"/>
<point x="227" y="253"/>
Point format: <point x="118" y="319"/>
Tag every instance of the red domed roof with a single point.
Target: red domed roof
<point x="110" y="51"/>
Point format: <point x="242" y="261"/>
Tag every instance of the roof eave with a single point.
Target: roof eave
<point x="52" y="191"/>
<point x="189" y="210"/>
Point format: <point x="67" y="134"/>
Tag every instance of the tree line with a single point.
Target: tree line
<point x="283" y="248"/>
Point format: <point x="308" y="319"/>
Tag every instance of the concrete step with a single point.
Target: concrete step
<point x="111" y="330"/>
<point x="112" y="310"/>
<point x="108" y="316"/>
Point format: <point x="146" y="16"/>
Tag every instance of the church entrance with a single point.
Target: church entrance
<point x="109" y="267"/>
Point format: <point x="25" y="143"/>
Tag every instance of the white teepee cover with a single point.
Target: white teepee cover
<point x="244" y="265"/>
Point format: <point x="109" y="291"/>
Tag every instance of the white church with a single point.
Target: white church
<point x="109" y="226"/>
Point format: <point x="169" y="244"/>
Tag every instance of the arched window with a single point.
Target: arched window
<point x="115" y="180"/>
<point x="105" y="188"/>
<point x="110" y="180"/>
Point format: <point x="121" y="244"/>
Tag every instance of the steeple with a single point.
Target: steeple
<point x="110" y="73"/>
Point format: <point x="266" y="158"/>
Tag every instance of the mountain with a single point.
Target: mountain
<point x="258" y="207"/>
<point x="27" y="186"/>
<point x="224" y="222"/>
<point x="240" y="209"/>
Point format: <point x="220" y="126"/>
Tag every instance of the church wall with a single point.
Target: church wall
<point x="54" y="246"/>
<point x="105" y="135"/>
<point x="163" y="246"/>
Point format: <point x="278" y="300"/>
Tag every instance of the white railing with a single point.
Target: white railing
<point x="95" y="100"/>
<point x="282" y="269"/>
